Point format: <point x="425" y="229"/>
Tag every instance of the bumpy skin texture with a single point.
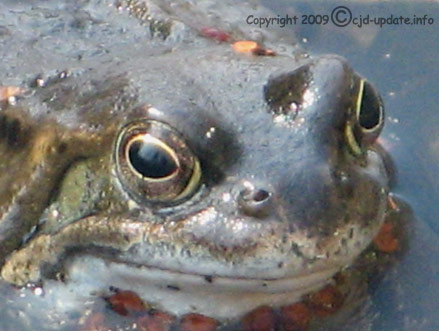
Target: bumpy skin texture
<point x="275" y="125"/>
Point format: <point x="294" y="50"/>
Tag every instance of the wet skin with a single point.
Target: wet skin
<point x="240" y="180"/>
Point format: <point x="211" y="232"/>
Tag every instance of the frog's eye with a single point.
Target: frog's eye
<point x="154" y="164"/>
<point x="368" y="120"/>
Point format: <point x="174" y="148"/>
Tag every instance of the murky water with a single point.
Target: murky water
<point x="402" y="61"/>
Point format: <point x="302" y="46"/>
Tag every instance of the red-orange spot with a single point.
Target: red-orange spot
<point x="214" y="33"/>
<point x="124" y="302"/>
<point x="386" y="241"/>
<point x="392" y="203"/>
<point x="156" y="321"/>
<point x="252" y="47"/>
<point x="197" y="322"/>
<point x="326" y="301"/>
<point x="295" y="317"/>
<point x="260" y="319"/>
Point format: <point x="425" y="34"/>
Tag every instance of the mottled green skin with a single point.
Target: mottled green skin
<point x="59" y="187"/>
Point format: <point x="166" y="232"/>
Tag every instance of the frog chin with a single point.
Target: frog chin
<point x="180" y="293"/>
<point x="218" y="289"/>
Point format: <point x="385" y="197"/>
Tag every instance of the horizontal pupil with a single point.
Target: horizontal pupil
<point x="151" y="160"/>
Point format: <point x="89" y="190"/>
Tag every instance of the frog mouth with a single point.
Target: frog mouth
<point x="132" y="257"/>
<point x="180" y="293"/>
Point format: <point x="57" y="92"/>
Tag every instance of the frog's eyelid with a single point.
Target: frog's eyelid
<point x="352" y="141"/>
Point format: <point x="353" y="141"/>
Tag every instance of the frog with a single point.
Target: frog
<point x="203" y="179"/>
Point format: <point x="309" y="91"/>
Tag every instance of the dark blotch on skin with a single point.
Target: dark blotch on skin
<point x="3" y="123"/>
<point x="62" y="148"/>
<point x="173" y="287"/>
<point x="13" y="129"/>
<point x="287" y="89"/>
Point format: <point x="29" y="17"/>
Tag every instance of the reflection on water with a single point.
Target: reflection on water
<point x="402" y="62"/>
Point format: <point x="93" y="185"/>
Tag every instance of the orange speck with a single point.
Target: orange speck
<point x="295" y="317"/>
<point x="9" y="91"/>
<point x="392" y="203"/>
<point x="123" y="302"/>
<point x="248" y="46"/>
<point x="260" y="319"/>
<point x="197" y="322"/>
<point x="326" y="301"/>
<point x="245" y="46"/>
<point x="385" y="241"/>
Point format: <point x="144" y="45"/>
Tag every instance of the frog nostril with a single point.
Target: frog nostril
<point x="255" y="201"/>
<point x="259" y="195"/>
